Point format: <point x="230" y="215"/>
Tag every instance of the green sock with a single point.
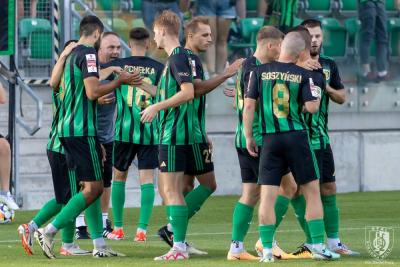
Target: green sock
<point x="299" y="206"/>
<point x="68" y="214"/>
<point x="242" y="217"/>
<point x="68" y="233"/>
<point x="281" y="207"/>
<point x="331" y="216"/>
<point x="317" y="231"/>
<point x="118" y="202"/>
<point x="178" y="218"/>
<point x="146" y="205"/>
<point x="267" y="232"/>
<point x="94" y="219"/>
<point x="48" y="211"/>
<point x="196" y="198"/>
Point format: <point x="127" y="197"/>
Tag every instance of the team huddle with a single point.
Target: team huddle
<point x="281" y="97"/>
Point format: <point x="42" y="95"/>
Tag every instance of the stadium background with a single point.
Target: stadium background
<point x="365" y="131"/>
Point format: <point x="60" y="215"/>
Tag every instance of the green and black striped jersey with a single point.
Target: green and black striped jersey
<point x="77" y="112"/>
<point x="54" y="143"/>
<point x="281" y="90"/>
<point x="314" y="120"/>
<point x="176" y="124"/>
<point x="199" y="103"/>
<point x="131" y="100"/>
<point x="242" y="80"/>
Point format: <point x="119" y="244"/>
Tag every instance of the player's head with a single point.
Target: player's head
<point x="269" y="41"/>
<point x="91" y="26"/>
<point x="167" y="24"/>
<point x="307" y="39"/>
<point x="110" y="47"/>
<point x="317" y="37"/>
<point x="139" y="37"/>
<point x="293" y="45"/>
<point x="198" y="34"/>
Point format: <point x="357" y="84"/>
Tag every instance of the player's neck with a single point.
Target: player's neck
<point x="315" y="57"/>
<point x="262" y="58"/>
<point x="191" y="47"/>
<point x="170" y="44"/>
<point x="285" y="58"/>
<point x="137" y="51"/>
<point x="85" y="41"/>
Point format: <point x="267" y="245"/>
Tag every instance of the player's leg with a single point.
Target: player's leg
<point x="147" y="162"/>
<point x="188" y="184"/>
<point x="105" y="197"/>
<point x="123" y="155"/>
<point x="287" y="191"/>
<point x="303" y="164"/>
<point x="331" y="211"/>
<point x="244" y="208"/>
<point x="221" y="56"/>
<point x="5" y="166"/>
<point x="172" y="164"/>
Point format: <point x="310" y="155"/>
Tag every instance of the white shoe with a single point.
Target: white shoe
<point x="173" y="255"/>
<point x="267" y="258"/>
<point x="194" y="251"/>
<point x="75" y="250"/>
<point x="9" y="201"/>
<point x="46" y="243"/>
<point x="106" y="252"/>
<point x="324" y="254"/>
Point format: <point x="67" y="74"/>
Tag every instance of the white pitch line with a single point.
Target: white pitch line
<point x="228" y="233"/>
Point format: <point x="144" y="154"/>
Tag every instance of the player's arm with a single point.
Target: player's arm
<point x="58" y="68"/>
<point x="202" y="87"/>
<point x="249" y="108"/>
<point x="335" y="89"/>
<point x="149" y="88"/>
<point x="184" y="95"/>
<point x="106" y="72"/>
<point x="3" y="95"/>
<point x="311" y="95"/>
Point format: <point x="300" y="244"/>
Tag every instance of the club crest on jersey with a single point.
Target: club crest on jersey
<point x="327" y="74"/>
<point x="91" y="63"/>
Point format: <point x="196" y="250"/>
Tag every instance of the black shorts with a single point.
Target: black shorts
<point x="249" y="166"/>
<point x="287" y="150"/>
<point x="174" y="158"/>
<point x="84" y="157"/>
<point x="108" y="165"/>
<point x="201" y="160"/>
<point x="124" y="153"/>
<point x="64" y="181"/>
<point x="326" y="164"/>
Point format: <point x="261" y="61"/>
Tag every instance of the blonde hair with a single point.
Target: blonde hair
<point x="168" y="20"/>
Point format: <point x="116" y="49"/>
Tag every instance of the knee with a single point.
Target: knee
<point x="4" y="147"/>
<point x="328" y="189"/>
<point x="250" y="199"/>
<point x="188" y="188"/>
<point x="288" y="190"/>
<point x="94" y="191"/>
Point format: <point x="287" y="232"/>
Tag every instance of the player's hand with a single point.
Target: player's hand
<point x="229" y="91"/>
<point x="210" y="144"/>
<point x="68" y="49"/>
<point x="252" y="147"/>
<point x="117" y="69"/>
<point x="130" y="78"/>
<point x="149" y="113"/>
<point x="231" y="70"/>
<point x="310" y="64"/>
<point x="106" y="99"/>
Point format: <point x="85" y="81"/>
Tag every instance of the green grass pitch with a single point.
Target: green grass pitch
<point x="210" y="230"/>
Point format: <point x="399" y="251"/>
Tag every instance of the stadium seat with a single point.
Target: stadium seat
<point x="248" y="31"/>
<point x="118" y="25"/>
<point x="107" y="5"/>
<point x="40" y="43"/>
<point x="318" y="8"/>
<point x="348" y="8"/>
<point x="391" y="8"/>
<point x="335" y="38"/>
<point x="138" y="23"/>
<point x="394" y="37"/>
<point x="352" y="26"/>
<point x="28" y="25"/>
<point x="137" y="5"/>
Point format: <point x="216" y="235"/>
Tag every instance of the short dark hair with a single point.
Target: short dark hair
<point x="89" y="25"/>
<point x="269" y="32"/>
<point x="139" y="34"/>
<point x="193" y="24"/>
<point x="305" y="34"/>
<point x="311" y="23"/>
<point x="68" y="42"/>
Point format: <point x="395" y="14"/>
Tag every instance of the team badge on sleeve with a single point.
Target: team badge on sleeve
<point x="91" y="63"/>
